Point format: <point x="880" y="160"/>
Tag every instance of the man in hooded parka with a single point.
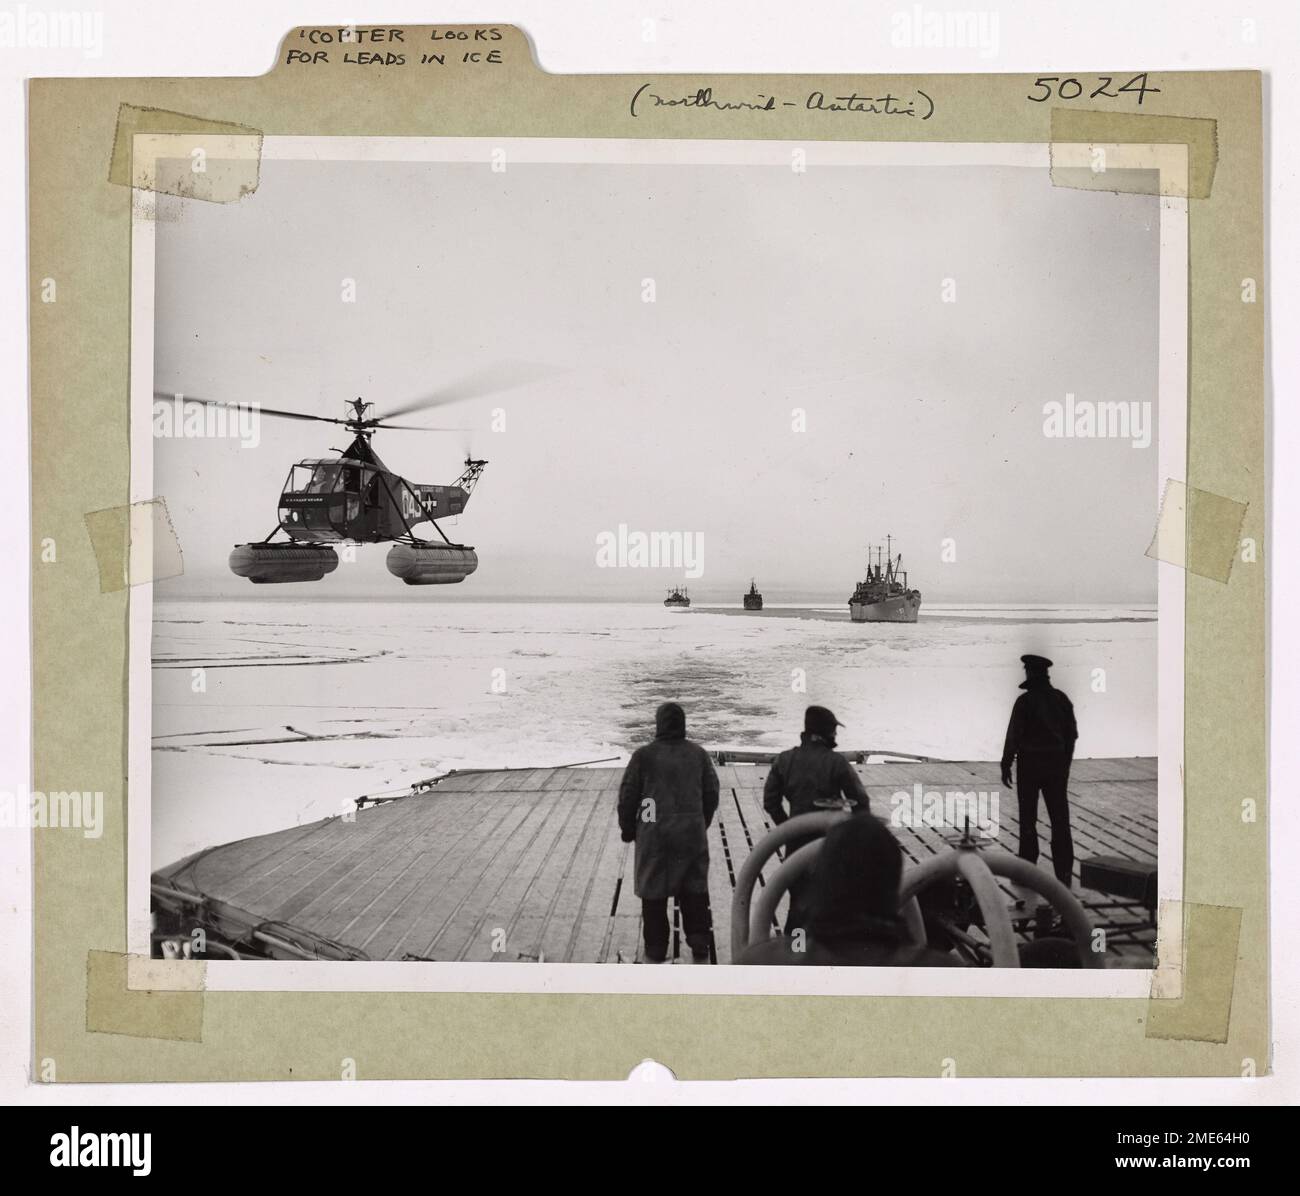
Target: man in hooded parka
<point x="666" y="802"/>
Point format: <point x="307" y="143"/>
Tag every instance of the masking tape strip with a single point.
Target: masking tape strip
<point x="114" y="1005"/>
<point x="1202" y="972"/>
<point x="134" y="544"/>
<point x="1197" y="530"/>
<point x="1134" y="154"/>
<point x="1167" y="979"/>
<point x="187" y="156"/>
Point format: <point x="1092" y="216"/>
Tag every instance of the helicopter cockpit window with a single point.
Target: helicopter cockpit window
<point x="324" y="478"/>
<point x="299" y="479"/>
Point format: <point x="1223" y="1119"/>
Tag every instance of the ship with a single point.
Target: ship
<point x="678" y="598"/>
<point x="753" y="600"/>
<point x="883" y="596"/>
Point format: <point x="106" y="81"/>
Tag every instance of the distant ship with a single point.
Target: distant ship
<point x="678" y="598"/>
<point x="753" y="600"/>
<point x="883" y="596"/>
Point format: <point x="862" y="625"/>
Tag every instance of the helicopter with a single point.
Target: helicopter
<point x="355" y="498"/>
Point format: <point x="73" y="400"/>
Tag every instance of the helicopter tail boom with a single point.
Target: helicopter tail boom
<point x="421" y="502"/>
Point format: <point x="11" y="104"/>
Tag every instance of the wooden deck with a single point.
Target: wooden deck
<point x="527" y="864"/>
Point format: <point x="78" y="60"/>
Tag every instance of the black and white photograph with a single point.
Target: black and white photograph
<point x="677" y="556"/>
<point x="692" y="553"/>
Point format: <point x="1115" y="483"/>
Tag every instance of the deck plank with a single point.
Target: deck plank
<point x="373" y="923"/>
<point x="754" y="824"/>
<point x="489" y="923"/>
<point x="477" y="916"/>
<point x="572" y="856"/>
<point x="623" y="936"/>
<point x="354" y="857"/>
<point x="414" y="928"/>
<point x="291" y="870"/>
<point x="445" y="818"/>
<point x="727" y="850"/>
<point x="536" y="853"/>
<point x="588" y="909"/>
<point x="546" y="926"/>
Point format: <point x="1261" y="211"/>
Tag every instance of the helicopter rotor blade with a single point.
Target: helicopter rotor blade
<point x="383" y="423"/>
<point x="323" y="419"/>
<point x="493" y="379"/>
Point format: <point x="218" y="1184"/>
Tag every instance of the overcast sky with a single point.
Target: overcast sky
<point x="773" y="291"/>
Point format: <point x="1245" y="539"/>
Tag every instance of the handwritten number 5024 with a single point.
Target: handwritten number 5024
<point x="1072" y="89"/>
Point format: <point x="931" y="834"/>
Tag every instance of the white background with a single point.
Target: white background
<point x="835" y="36"/>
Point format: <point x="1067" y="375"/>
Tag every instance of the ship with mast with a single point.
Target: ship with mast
<point x="884" y="596"/>
<point x="753" y="600"/>
<point x="678" y="598"/>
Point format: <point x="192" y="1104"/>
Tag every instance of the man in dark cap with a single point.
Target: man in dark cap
<point x="810" y="777"/>
<point x="1040" y="739"/>
<point x="666" y="801"/>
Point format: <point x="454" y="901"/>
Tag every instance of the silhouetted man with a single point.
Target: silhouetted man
<point x="1040" y="739"/>
<point x="810" y="777"/>
<point x="666" y="801"/>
